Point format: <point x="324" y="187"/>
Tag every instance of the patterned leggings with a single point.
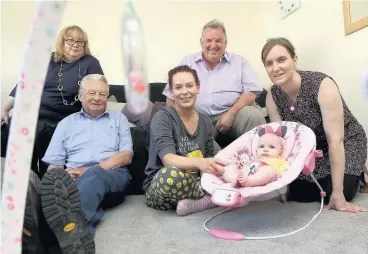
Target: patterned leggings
<point x="169" y="186"/>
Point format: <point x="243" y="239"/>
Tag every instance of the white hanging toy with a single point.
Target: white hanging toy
<point x="137" y="89"/>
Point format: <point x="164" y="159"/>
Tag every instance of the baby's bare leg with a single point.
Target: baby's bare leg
<point x="230" y="174"/>
<point x="263" y="176"/>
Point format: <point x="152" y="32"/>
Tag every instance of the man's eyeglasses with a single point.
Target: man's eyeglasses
<point x="72" y="42"/>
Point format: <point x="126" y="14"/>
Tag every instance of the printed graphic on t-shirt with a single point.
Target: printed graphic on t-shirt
<point x="187" y="146"/>
<point x="195" y="154"/>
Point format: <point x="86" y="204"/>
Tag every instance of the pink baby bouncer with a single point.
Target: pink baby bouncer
<point x="299" y="150"/>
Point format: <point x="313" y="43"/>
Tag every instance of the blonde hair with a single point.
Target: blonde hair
<point x="69" y="31"/>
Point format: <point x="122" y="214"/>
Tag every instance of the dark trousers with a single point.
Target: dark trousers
<point x="44" y="131"/>
<point x="305" y="191"/>
<point x="100" y="189"/>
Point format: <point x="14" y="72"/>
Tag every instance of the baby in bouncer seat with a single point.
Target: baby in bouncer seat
<point x="268" y="165"/>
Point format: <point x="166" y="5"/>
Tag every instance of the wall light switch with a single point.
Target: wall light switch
<point x="288" y="6"/>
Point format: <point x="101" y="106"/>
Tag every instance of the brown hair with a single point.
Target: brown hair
<point x="63" y="35"/>
<point x="182" y="68"/>
<point x="277" y="41"/>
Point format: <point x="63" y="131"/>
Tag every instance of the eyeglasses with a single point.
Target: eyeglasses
<point x="72" y="42"/>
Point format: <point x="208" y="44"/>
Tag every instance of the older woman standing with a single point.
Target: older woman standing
<point x="181" y="148"/>
<point x="71" y="61"/>
<point x="313" y="99"/>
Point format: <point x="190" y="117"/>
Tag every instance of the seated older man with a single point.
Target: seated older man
<point x="228" y="84"/>
<point x="95" y="146"/>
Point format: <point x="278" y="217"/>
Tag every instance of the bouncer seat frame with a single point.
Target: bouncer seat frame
<point x="299" y="150"/>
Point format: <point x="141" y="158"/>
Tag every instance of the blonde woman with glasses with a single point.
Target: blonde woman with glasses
<point x="69" y="63"/>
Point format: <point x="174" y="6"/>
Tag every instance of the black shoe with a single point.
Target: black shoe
<point x="31" y="241"/>
<point x="61" y="206"/>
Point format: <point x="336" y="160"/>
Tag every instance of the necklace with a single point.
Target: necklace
<point x="60" y="86"/>
<point x="292" y="108"/>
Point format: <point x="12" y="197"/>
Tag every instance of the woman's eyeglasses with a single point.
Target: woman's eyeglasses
<point x="72" y="42"/>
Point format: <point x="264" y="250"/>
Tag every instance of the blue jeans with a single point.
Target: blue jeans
<point x="100" y="188"/>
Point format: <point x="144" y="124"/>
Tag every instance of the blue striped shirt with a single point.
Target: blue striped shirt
<point x="81" y="141"/>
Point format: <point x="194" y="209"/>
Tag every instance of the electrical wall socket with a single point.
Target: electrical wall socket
<point x="288" y="6"/>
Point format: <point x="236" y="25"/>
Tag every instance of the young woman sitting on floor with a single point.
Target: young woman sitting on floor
<point x="181" y="149"/>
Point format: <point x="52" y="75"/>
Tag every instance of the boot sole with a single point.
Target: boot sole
<point x="31" y="243"/>
<point x="61" y="206"/>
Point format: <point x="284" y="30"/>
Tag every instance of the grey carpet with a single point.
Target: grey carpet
<point x="132" y="227"/>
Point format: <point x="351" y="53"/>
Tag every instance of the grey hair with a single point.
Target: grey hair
<point x="98" y="77"/>
<point x="215" y="23"/>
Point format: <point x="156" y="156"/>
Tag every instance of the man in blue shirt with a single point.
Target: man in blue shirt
<point x="87" y="158"/>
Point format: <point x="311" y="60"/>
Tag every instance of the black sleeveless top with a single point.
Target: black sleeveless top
<point x="52" y="106"/>
<point x="307" y="112"/>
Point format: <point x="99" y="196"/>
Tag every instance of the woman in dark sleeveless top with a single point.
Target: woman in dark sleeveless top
<point x="313" y="99"/>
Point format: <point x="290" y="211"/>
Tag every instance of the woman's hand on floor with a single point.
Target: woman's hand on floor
<point x="339" y="203"/>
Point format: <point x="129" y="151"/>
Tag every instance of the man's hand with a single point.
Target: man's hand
<point x="225" y="122"/>
<point x="76" y="172"/>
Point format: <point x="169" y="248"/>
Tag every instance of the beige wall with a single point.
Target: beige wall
<point x="173" y="28"/>
<point x="317" y="32"/>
